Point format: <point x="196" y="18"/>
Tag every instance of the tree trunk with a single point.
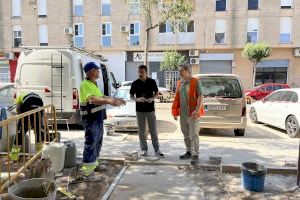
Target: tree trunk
<point x="146" y="49"/>
<point x="254" y="73"/>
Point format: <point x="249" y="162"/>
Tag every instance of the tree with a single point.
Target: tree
<point x="256" y="53"/>
<point x="158" y="12"/>
<point x="172" y="60"/>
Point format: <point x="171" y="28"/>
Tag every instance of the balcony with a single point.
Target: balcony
<point x="176" y="38"/>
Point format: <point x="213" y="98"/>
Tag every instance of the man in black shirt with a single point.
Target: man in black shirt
<point x="144" y="91"/>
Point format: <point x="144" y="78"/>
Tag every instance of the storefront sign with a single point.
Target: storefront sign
<point x="152" y="56"/>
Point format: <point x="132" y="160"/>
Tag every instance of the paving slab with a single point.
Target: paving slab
<point x="159" y="182"/>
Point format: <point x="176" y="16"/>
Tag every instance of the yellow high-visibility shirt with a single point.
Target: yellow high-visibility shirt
<point x="88" y="89"/>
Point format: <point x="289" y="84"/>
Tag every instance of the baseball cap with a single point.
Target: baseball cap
<point x="89" y="66"/>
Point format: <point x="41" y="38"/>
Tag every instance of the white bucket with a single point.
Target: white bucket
<point x="56" y="153"/>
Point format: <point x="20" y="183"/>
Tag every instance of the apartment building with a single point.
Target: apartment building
<point x="212" y="41"/>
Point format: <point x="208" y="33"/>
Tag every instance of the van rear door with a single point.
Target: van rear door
<point x="47" y="77"/>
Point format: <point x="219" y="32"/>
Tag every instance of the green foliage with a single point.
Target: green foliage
<point x="256" y="52"/>
<point x="172" y="60"/>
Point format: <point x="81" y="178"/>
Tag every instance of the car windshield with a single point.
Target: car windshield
<point x="122" y="94"/>
<point x="221" y="87"/>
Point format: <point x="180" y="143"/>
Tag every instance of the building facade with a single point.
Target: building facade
<point x="212" y="41"/>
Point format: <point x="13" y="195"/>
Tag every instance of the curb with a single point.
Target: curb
<point x="270" y="170"/>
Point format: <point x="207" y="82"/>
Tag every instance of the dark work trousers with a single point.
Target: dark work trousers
<point x="39" y="133"/>
<point x="93" y="129"/>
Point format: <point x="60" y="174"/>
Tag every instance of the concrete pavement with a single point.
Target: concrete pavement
<point x="263" y="144"/>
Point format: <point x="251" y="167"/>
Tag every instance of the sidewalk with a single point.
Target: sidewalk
<point x="261" y="144"/>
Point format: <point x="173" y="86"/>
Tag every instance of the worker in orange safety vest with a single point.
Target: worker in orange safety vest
<point x="188" y="104"/>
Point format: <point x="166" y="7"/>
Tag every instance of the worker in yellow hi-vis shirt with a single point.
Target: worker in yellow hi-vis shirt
<point x="92" y="110"/>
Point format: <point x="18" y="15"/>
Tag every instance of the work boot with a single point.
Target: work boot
<point x="144" y="153"/>
<point x="185" y="156"/>
<point x="159" y="154"/>
<point x="88" y="168"/>
<point x="195" y="160"/>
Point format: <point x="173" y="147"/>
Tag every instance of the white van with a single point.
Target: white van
<point x="55" y="73"/>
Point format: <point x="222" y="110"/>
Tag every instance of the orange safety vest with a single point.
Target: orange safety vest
<point x="193" y="97"/>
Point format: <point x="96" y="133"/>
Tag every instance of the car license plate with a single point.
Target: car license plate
<point x="217" y="107"/>
<point x="125" y="123"/>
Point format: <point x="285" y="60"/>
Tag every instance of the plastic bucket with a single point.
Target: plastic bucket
<point x="253" y="176"/>
<point x="56" y="152"/>
<point x="33" y="189"/>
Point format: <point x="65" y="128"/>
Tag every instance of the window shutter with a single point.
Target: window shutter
<point x="220" y="26"/>
<point x="252" y="25"/>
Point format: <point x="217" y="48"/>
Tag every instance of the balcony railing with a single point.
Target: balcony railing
<point x="176" y="38"/>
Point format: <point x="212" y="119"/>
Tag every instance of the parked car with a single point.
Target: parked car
<point x="123" y="118"/>
<point x="126" y="83"/>
<point x="279" y="109"/>
<point x="263" y="90"/>
<point x="165" y="95"/>
<point x="7" y="92"/>
<point x="224" y="103"/>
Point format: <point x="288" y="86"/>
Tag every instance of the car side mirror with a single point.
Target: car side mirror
<point x="264" y="100"/>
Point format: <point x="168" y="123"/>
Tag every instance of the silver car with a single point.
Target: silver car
<point x="7" y="92"/>
<point x="123" y="118"/>
<point x="224" y="102"/>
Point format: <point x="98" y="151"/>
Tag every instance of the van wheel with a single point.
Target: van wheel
<point x="292" y="127"/>
<point x="239" y="132"/>
<point x="253" y="115"/>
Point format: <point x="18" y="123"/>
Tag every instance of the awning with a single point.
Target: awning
<point x="273" y="63"/>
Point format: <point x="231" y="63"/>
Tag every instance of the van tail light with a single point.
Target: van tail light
<point x="47" y="90"/>
<point x="244" y="112"/>
<point x="75" y="99"/>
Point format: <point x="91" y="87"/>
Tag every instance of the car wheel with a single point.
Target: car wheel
<point x="253" y="115"/>
<point x="239" y="132"/>
<point x="292" y="127"/>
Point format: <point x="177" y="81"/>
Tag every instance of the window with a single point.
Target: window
<point x="16" y="8"/>
<point x="166" y="28"/>
<point x="222" y="87"/>
<point x="277" y="87"/>
<point x="269" y="88"/>
<point x="17" y="34"/>
<point x="106" y="35"/>
<point x="286" y="4"/>
<point x="134" y="7"/>
<point x="105" y="7"/>
<point x="43" y="35"/>
<point x="42" y="8"/>
<point x="276" y="96"/>
<point x="220" y="29"/>
<point x="252" y="30"/>
<point x="295" y="98"/>
<point x="285" y="29"/>
<point x="134" y="34"/>
<point x="78" y="8"/>
<point x="4" y="74"/>
<point x="220" y="5"/>
<point x="288" y="96"/>
<point x="252" y="4"/>
<point x="79" y="35"/>
<point x="188" y="28"/>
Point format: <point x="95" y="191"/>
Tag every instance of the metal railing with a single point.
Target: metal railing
<point x="40" y="121"/>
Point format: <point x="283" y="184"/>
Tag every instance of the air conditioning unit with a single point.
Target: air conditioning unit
<point x="194" y="53"/>
<point x="9" y="55"/>
<point x="68" y="31"/>
<point x="194" y="61"/>
<point x="124" y="28"/>
<point x="297" y="52"/>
